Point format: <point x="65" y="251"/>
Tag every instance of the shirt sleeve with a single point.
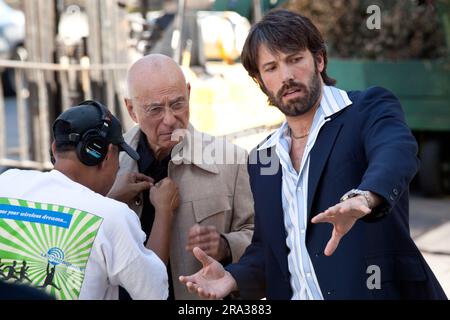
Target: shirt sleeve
<point x="139" y="270"/>
<point x="145" y="278"/>
<point x="390" y="148"/>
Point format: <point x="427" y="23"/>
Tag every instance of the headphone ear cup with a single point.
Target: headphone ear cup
<point x="92" y="148"/>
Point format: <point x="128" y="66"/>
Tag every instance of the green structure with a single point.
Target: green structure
<point x="423" y="87"/>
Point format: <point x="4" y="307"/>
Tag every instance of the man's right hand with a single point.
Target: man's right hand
<point x="128" y="186"/>
<point x="212" y="281"/>
<point x="164" y="196"/>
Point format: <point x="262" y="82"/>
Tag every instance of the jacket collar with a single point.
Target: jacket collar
<point x="190" y="150"/>
<point x="333" y="101"/>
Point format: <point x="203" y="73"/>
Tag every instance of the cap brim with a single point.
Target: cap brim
<point x="130" y="151"/>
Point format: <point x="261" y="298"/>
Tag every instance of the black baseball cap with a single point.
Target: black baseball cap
<point x="73" y="123"/>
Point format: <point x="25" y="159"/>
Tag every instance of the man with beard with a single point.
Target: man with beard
<point x="340" y="165"/>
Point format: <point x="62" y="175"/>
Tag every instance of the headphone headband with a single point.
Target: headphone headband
<point x="105" y="115"/>
<point x="90" y="139"/>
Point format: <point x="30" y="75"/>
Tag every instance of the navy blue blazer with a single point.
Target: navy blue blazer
<point x="366" y="146"/>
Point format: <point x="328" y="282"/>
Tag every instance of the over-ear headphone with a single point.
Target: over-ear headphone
<point x="93" y="145"/>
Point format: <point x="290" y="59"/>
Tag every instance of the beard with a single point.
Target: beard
<point x="300" y="105"/>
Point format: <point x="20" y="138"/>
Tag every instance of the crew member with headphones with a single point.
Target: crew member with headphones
<point x="62" y="220"/>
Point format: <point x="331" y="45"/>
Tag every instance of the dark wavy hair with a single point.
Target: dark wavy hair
<point x="283" y="31"/>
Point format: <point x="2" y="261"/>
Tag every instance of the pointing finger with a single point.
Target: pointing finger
<point x="323" y="217"/>
<point x="332" y="244"/>
<point x="202" y="257"/>
<point x="186" y="279"/>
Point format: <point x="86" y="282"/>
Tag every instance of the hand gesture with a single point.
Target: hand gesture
<point x="209" y="240"/>
<point x="212" y="281"/>
<point x="342" y="216"/>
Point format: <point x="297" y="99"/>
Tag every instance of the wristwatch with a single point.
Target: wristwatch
<point x="356" y="192"/>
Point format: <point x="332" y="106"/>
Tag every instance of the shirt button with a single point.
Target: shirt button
<point x="308" y="275"/>
<point x="137" y="201"/>
<point x="302" y="231"/>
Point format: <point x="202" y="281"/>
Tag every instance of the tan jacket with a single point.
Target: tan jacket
<point x="210" y="194"/>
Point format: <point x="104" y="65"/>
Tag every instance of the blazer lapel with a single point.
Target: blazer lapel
<point x="319" y="157"/>
<point x="273" y="219"/>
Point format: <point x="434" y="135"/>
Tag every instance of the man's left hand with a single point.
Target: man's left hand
<point x="209" y="240"/>
<point x="342" y="216"/>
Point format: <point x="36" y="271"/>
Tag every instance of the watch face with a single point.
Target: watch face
<point x="350" y="194"/>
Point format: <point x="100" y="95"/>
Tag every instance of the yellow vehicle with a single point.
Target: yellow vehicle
<point x="225" y="101"/>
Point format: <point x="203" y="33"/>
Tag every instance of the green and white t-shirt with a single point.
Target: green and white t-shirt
<point x="72" y="242"/>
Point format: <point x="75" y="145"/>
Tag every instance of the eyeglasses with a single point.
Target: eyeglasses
<point x="158" y="112"/>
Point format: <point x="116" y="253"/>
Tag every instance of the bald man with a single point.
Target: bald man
<point x="216" y="203"/>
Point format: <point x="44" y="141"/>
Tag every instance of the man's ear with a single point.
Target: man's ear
<point x="188" y="86"/>
<point x="108" y="156"/>
<point x="52" y="152"/>
<point x="129" y="105"/>
<point x="320" y="62"/>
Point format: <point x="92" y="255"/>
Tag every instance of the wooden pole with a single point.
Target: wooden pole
<point x="40" y="44"/>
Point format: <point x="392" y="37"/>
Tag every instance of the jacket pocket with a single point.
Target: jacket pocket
<point x="212" y="206"/>
<point x="403" y="276"/>
<point x="399" y="267"/>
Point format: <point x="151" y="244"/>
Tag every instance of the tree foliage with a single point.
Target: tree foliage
<point x="410" y="29"/>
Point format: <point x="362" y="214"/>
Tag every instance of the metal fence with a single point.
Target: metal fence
<point x="56" y="75"/>
<point x="36" y="105"/>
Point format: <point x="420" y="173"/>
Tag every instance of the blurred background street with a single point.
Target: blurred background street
<point x="430" y="229"/>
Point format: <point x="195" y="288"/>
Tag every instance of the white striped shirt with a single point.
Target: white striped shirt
<point x="295" y="192"/>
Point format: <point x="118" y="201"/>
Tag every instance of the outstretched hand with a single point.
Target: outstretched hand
<point x="342" y="216"/>
<point x="212" y="281"/>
